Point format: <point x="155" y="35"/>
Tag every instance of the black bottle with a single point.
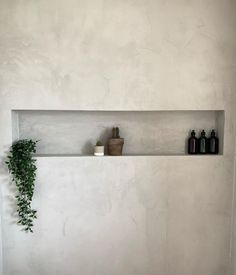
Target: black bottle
<point x="213" y="143"/>
<point x="203" y="143"/>
<point x="192" y="144"/>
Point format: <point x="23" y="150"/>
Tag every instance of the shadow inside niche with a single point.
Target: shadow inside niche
<point x="88" y="147"/>
<point x="104" y="136"/>
<point x="186" y="141"/>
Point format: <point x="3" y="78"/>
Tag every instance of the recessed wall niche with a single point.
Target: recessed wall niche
<point x="145" y="132"/>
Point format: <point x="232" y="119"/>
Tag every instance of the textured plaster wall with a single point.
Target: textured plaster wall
<point x="233" y="242"/>
<point x="146" y="215"/>
<point x="129" y="215"/>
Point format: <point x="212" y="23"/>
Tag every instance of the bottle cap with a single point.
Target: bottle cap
<point x="213" y="132"/>
<point x="203" y="133"/>
<point x="193" y="133"/>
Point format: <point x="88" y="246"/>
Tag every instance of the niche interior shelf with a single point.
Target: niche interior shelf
<point x="146" y="133"/>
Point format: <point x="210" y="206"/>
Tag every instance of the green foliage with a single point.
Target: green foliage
<point x="99" y="143"/>
<point x="21" y="166"/>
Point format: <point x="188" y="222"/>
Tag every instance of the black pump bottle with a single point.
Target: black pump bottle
<point x="203" y="144"/>
<point x="213" y="143"/>
<point x="192" y="144"/>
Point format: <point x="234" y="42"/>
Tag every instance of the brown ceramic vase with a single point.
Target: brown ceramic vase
<point x="115" y="146"/>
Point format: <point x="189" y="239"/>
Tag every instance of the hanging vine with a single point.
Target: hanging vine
<point x="22" y="168"/>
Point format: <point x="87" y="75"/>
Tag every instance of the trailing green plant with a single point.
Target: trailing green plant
<point x="22" y="168"/>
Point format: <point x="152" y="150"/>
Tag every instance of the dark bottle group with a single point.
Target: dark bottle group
<point x="203" y="145"/>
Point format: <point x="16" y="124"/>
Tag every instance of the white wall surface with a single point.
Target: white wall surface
<point x="146" y="215"/>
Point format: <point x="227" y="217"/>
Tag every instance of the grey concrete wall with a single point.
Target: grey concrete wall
<point x="124" y="215"/>
<point x="135" y="215"/>
<point x="233" y="233"/>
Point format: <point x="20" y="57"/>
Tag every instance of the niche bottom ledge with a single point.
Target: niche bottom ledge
<point x="127" y="155"/>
